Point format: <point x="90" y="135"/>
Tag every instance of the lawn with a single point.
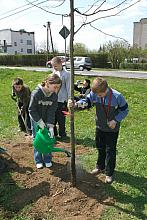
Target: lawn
<point x="129" y="189"/>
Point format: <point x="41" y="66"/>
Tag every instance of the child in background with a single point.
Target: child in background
<point x="111" y="109"/>
<point x="42" y="108"/>
<point x="84" y="89"/>
<point x="63" y="96"/>
<point x="21" y="94"/>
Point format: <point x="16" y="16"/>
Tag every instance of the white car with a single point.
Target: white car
<point x="80" y="63"/>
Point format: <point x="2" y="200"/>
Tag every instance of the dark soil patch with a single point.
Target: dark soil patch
<point x="48" y="193"/>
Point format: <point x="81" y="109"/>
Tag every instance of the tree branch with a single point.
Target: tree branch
<point x="104" y="10"/>
<point x="111" y="35"/>
<point x="107" y="16"/>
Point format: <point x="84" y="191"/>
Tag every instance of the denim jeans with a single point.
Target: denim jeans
<point x="39" y="157"/>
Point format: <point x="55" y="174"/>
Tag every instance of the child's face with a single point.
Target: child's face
<point x="102" y="94"/>
<point x="85" y="84"/>
<point x="18" y="88"/>
<point x="57" y="66"/>
<point x="52" y="87"/>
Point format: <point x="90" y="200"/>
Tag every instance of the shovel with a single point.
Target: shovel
<point x="24" y="121"/>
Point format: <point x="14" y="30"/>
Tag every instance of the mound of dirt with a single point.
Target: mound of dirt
<point x="48" y="193"/>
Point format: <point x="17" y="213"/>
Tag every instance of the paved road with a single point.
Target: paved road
<point x="119" y="73"/>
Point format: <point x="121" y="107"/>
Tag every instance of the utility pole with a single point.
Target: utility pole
<point x="49" y="27"/>
<point x="73" y="167"/>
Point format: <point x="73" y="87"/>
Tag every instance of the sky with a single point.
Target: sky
<point x="34" y="19"/>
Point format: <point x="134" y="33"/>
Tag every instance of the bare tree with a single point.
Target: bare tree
<point x="101" y="10"/>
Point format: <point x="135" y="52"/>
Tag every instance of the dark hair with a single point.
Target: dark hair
<point x="99" y="85"/>
<point x="88" y="82"/>
<point x="17" y="81"/>
<point x="52" y="79"/>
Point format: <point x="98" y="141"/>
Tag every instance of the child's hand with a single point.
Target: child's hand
<point x="81" y="104"/>
<point x="41" y="124"/>
<point x="112" y="124"/>
<point x="51" y="131"/>
<point x="70" y="103"/>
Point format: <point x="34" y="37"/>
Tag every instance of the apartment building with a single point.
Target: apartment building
<point x="140" y="33"/>
<point x="17" y="42"/>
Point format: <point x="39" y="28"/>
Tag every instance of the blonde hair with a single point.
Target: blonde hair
<point x="99" y="85"/>
<point x="56" y="60"/>
<point x="52" y="79"/>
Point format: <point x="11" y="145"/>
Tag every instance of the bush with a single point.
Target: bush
<point x="99" y="60"/>
<point x="24" y="60"/>
<point x="134" y="66"/>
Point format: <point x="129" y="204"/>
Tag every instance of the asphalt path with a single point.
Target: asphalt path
<point x="116" y="73"/>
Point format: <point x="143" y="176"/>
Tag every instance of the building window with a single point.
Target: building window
<point x="15" y="52"/>
<point x="29" y="42"/>
<point x="15" y="43"/>
<point x="29" y="50"/>
<point x="21" y="40"/>
<point x="21" y="49"/>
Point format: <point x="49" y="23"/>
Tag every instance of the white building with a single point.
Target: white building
<point x="17" y="42"/>
<point x="140" y="33"/>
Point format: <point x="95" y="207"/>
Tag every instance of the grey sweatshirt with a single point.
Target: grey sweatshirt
<point x="64" y="92"/>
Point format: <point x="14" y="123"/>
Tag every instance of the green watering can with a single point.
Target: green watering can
<point x="44" y="144"/>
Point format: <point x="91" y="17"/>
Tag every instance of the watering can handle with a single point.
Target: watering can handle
<point x="38" y="128"/>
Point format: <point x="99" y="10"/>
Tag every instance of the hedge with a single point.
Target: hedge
<point x="99" y="60"/>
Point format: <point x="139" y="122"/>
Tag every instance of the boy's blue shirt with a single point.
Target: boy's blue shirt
<point x="118" y="109"/>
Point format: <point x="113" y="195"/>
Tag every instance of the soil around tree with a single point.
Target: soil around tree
<point x="48" y="193"/>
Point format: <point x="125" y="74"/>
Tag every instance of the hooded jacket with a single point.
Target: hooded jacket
<point x="43" y="105"/>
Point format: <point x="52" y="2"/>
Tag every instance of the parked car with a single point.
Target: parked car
<point x="80" y="63"/>
<point x="49" y="63"/>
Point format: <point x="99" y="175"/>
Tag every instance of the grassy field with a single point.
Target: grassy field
<point x="130" y="186"/>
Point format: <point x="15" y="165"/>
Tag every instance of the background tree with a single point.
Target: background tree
<point x="134" y="52"/>
<point x="117" y="51"/>
<point x="80" y="48"/>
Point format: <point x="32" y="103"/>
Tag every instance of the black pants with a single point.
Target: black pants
<point x="106" y="145"/>
<point x="60" y="120"/>
<point x="26" y="118"/>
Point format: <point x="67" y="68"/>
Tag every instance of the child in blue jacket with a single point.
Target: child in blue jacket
<point x="111" y="109"/>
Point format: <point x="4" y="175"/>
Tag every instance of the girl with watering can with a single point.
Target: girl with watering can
<point x="42" y="108"/>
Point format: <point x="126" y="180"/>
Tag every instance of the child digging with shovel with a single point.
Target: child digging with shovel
<point x="21" y="94"/>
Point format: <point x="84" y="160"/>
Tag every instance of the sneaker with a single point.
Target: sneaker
<point x="109" y="179"/>
<point x="48" y="165"/>
<point x="39" y="165"/>
<point x="96" y="171"/>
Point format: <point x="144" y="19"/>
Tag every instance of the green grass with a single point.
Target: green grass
<point x="130" y="186"/>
